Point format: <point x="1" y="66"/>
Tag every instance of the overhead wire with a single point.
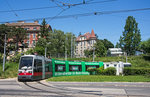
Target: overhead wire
<point x="57" y="4"/>
<point x="11" y="9"/>
<point x="58" y="13"/>
<point x="84" y="14"/>
<point x="64" y="5"/>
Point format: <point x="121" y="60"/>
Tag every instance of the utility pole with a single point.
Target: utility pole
<point x="66" y="49"/>
<point x="74" y="48"/>
<point x="45" y="51"/>
<point x="126" y="57"/>
<point x="46" y="48"/>
<point x="71" y="46"/>
<point x="93" y="53"/>
<point x="4" y="54"/>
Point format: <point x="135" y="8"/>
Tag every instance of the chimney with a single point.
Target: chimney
<point x="36" y="21"/>
<point x="20" y="21"/>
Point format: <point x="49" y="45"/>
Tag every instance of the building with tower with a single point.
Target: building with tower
<point x="84" y="42"/>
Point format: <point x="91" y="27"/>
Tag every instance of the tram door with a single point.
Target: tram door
<point x="37" y="69"/>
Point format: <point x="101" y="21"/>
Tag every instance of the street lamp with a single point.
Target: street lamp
<point x="46" y="48"/>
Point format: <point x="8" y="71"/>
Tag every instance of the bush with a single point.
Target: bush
<point x="16" y="58"/>
<point x="100" y="70"/>
<point x="0" y="58"/>
<point x="92" y="71"/>
<point x="136" y="71"/>
<point x="110" y="71"/>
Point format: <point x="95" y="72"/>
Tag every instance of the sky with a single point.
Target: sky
<point x="106" y="26"/>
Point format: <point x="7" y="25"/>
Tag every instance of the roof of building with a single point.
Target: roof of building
<point x="114" y="49"/>
<point x="22" y="23"/>
<point x="87" y="35"/>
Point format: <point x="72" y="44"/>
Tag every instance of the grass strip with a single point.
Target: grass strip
<point x="11" y="70"/>
<point x="100" y="78"/>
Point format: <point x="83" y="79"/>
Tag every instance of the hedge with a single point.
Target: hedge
<point x="110" y="71"/>
<point x="102" y="71"/>
<point x="136" y="71"/>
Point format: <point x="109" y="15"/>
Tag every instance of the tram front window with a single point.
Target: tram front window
<point x="26" y="63"/>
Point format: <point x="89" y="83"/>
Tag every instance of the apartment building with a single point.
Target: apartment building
<point x="84" y="42"/>
<point x="32" y="28"/>
<point x="115" y="52"/>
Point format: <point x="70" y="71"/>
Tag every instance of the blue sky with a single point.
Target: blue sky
<point x="106" y="26"/>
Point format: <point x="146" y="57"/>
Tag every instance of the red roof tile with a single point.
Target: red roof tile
<point x="87" y="35"/>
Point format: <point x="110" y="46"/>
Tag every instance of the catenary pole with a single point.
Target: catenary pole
<point x="71" y="46"/>
<point x="4" y="54"/>
<point x="93" y="53"/>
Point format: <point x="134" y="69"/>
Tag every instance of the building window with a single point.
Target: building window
<point x="28" y="42"/>
<point x="27" y="28"/>
<point x="34" y="35"/>
<point x="34" y="42"/>
<point x="34" y="28"/>
<point x="115" y="65"/>
<point x="107" y="65"/>
<point x="28" y="36"/>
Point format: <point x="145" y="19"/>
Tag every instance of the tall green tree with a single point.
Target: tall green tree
<point x="44" y="31"/>
<point x="131" y="37"/>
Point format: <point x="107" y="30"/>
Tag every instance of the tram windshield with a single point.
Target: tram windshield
<point x="26" y="63"/>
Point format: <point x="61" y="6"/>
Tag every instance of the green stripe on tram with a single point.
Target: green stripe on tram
<point x="69" y="68"/>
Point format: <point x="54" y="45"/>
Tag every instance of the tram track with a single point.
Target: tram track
<point x="60" y="91"/>
<point x="43" y="88"/>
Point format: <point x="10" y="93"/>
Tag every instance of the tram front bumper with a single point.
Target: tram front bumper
<point x="25" y="78"/>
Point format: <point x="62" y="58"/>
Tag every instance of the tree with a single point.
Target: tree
<point x="107" y="44"/>
<point x="100" y="49"/>
<point x="4" y="30"/>
<point x="18" y="35"/>
<point x="88" y="53"/>
<point x="96" y="36"/>
<point x="44" y="31"/>
<point x="131" y="36"/>
<point x="70" y="37"/>
<point x="40" y="46"/>
<point x="79" y="34"/>
<point x="57" y="40"/>
<point x="145" y="45"/>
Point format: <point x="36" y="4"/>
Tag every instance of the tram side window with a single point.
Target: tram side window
<point x="60" y="67"/>
<point x="38" y="65"/>
<point x="47" y="66"/>
<point x="91" y="66"/>
<point x="75" y="68"/>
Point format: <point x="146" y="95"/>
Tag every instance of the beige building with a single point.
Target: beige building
<point x="84" y="42"/>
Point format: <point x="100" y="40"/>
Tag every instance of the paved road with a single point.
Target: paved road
<point x="11" y="87"/>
